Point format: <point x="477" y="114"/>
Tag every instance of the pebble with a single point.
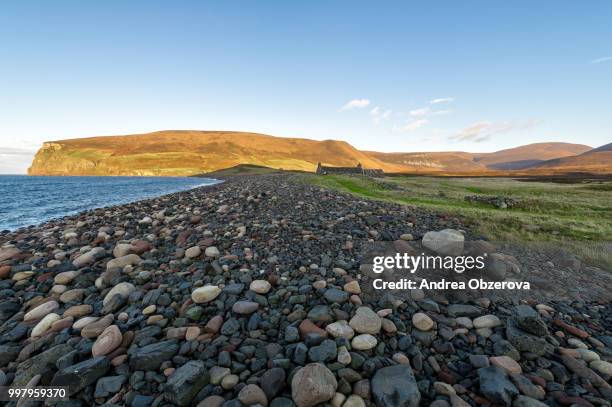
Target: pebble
<point x="312" y="385"/>
<point x="41" y="311"/>
<point x="422" y="321"/>
<point x="44" y="325"/>
<point x="366" y="321"/>
<point x="205" y="294"/>
<point x="107" y="341"/>
<point x="364" y="342"/>
<point x="260" y="286"/>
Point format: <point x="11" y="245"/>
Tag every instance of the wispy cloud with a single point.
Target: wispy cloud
<point x="600" y="60"/>
<point x="356" y="104"/>
<point x="427" y="111"/>
<point x="410" y="126"/>
<point x="484" y="130"/>
<point x="441" y="100"/>
<point x="423" y="111"/>
<point x="379" y="115"/>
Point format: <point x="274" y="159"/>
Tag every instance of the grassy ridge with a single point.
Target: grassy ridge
<point x="576" y="217"/>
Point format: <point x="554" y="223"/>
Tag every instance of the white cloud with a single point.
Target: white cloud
<point x="600" y="60"/>
<point x="484" y="130"/>
<point x="356" y="104"/>
<point x="378" y="115"/>
<point x="424" y="111"/>
<point x="411" y="126"/>
<point x="441" y="100"/>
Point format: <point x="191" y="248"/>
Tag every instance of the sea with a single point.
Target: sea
<point x="31" y="200"/>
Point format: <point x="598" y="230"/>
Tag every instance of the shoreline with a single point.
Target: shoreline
<point x="77" y="212"/>
<point x="240" y="291"/>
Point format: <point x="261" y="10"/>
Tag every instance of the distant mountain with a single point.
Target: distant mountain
<point x="529" y="155"/>
<point x="606" y="147"/>
<point x="184" y="153"/>
<point x="191" y="152"/>
<point x="597" y="160"/>
<point x="510" y="159"/>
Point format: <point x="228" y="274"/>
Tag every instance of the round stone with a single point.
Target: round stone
<point x="245" y="307"/>
<point x="260" y="286"/>
<point x="230" y="381"/>
<point x="193" y="252"/>
<point x="486" y="321"/>
<point x="41" y="310"/>
<point x="366" y="321"/>
<point x="192" y="333"/>
<point x="251" y="394"/>
<point x="364" y="342"/>
<point x="212" y="251"/>
<point x="66" y="277"/>
<point x="123" y="289"/>
<point x="108" y="341"/>
<point x="312" y="385"/>
<point x="352" y="287"/>
<point x="340" y="329"/>
<point x="44" y="325"/>
<point x="422" y="321"/>
<point x="205" y="294"/>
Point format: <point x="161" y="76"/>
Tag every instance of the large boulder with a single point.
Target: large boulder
<point x="495" y="385"/>
<point x="447" y="242"/>
<point x="77" y="377"/>
<point x="186" y="382"/>
<point x="150" y="357"/>
<point x="313" y="384"/>
<point x="395" y="386"/>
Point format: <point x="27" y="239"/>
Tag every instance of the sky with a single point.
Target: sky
<point x="388" y="76"/>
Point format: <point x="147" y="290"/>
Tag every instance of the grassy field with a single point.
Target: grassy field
<point x="576" y="216"/>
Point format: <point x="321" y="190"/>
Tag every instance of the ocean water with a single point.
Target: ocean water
<point x="26" y="200"/>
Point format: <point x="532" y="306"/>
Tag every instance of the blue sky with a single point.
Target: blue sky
<point x="387" y="76"/>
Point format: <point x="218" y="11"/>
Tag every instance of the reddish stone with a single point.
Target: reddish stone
<point x="44" y="277"/>
<point x="446" y="377"/>
<point x="571" y="329"/>
<point x="536" y="380"/>
<point x="214" y="324"/>
<point x="98" y="240"/>
<point x="62" y="324"/>
<point x="577" y="401"/>
<point x="481" y="401"/>
<point x="128" y="337"/>
<point x="5" y="271"/>
<point x="140" y="246"/>
<point x="308" y="327"/>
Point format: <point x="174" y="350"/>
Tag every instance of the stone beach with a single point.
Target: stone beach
<point x="252" y="293"/>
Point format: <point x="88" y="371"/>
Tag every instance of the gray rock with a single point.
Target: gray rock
<point x="109" y="385"/>
<point x="186" y="382"/>
<point x="395" y="386"/>
<point x="325" y="352"/>
<point x="39" y="364"/>
<point x="495" y="385"/>
<point x="526" y="342"/>
<point x="529" y="320"/>
<point x="150" y="357"/>
<point x="333" y="295"/>
<point x="463" y="310"/>
<point x="524" y="401"/>
<point x="81" y="375"/>
<point x="272" y="382"/>
<point x="448" y="242"/>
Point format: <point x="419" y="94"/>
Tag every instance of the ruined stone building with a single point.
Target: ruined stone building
<point x="357" y="170"/>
